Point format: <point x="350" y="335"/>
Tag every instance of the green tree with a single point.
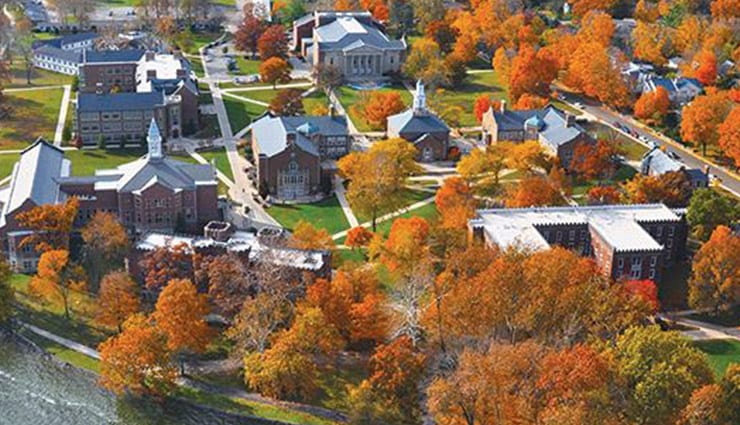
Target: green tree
<point x="709" y="209"/>
<point x="6" y="293"/>
<point x="661" y="370"/>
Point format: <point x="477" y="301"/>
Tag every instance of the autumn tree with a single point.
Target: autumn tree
<point x="288" y="369"/>
<point x="715" y="274"/>
<point x="443" y="34"/>
<point x="534" y="191"/>
<point x="166" y="263"/>
<point x="118" y="299"/>
<point x="106" y="245"/>
<point x="645" y="290"/>
<point x="259" y="318"/>
<point x="358" y="237"/>
<point x="582" y="7"/>
<point x="701" y="119"/>
<point x="137" y="360"/>
<point x="306" y="236"/>
<point x="603" y="195"/>
<point x="58" y="278"/>
<point x="424" y="62"/>
<point x="725" y="9"/>
<point x="249" y="31"/>
<point x="672" y="188"/>
<point x="275" y="70"/>
<point x="729" y="135"/>
<point x="51" y="225"/>
<point x="455" y="203"/>
<point x="377" y="176"/>
<point x="229" y="284"/>
<point x="180" y="314"/>
<point x="531" y="73"/>
<point x="380" y="105"/>
<point x="661" y="370"/>
<point x="482" y="104"/>
<point x="596" y="74"/>
<point x="709" y="209"/>
<point x="273" y="43"/>
<point x="651" y="42"/>
<point x="652" y="106"/>
<point x="287" y="102"/>
<point x="7" y="296"/>
<point x="705" y="68"/>
<point x="715" y="404"/>
<point x="594" y="160"/>
<point x="529" y="101"/>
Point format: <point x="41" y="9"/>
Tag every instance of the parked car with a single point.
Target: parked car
<point x="673" y="155"/>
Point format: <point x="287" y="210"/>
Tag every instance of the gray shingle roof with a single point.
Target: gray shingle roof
<point x="551" y="123"/>
<point x="408" y="122"/>
<point x="270" y="132"/>
<point x="657" y="162"/>
<point x="347" y="33"/>
<point x="138" y="175"/>
<point x="109" y="56"/>
<point x="56" y="52"/>
<point x="93" y="102"/>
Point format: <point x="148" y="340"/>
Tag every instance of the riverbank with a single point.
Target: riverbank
<point x="246" y="408"/>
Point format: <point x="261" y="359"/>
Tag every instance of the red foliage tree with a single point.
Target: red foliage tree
<point x="273" y="43"/>
<point x="645" y="290"/>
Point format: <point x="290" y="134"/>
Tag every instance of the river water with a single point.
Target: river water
<point x="35" y="390"/>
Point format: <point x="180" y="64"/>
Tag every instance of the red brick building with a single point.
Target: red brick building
<point x="626" y="241"/>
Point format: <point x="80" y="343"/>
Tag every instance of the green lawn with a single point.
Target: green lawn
<point x="241" y="113"/>
<point x="63" y="353"/>
<point x="39" y="77"/>
<point x="464" y="96"/>
<point x="410" y="196"/>
<point x="721" y="353"/>
<point x="7" y="161"/>
<point x="200" y="39"/>
<point x="325" y="214"/>
<point x="197" y="65"/>
<point x="318" y="97"/>
<point x="428" y="211"/>
<point x="86" y="161"/>
<point x="222" y="161"/>
<point x="34" y="114"/>
<point x="247" y="66"/>
<point x="350" y="97"/>
<point x="632" y="150"/>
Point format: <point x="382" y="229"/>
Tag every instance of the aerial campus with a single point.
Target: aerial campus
<point x="370" y="212"/>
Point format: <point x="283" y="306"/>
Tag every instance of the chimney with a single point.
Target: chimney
<point x="503" y="106"/>
<point x="149" y="56"/>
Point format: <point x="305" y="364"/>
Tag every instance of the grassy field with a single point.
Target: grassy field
<point x="631" y="150"/>
<point x="222" y="161"/>
<point x="325" y="214"/>
<point x="63" y="353"/>
<point x="241" y="113"/>
<point x="410" y="196"/>
<point x="350" y="97"/>
<point x="428" y="211"/>
<point x="310" y="102"/>
<point x="197" y="66"/>
<point x="200" y="39"/>
<point x="464" y="96"/>
<point x="721" y="353"/>
<point x="7" y="161"/>
<point x="35" y="114"/>
<point x="39" y="77"/>
<point x="247" y="66"/>
<point x="85" y="162"/>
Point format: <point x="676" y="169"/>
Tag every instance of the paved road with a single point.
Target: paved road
<point x="729" y="181"/>
<point x="59" y="133"/>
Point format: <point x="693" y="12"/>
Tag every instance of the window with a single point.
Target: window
<point x="653" y="260"/>
<point x="571" y="235"/>
<point x="635" y="273"/>
<point x="620" y="263"/>
<point x="636" y="261"/>
<point x="558" y="236"/>
<point x="293" y="166"/>
<point x="671" y="230"/>
<point x="669" y="243"/>
<point x="660" y="231"/>
<point x="583" y="235"/>
<point x="652" y="274"/>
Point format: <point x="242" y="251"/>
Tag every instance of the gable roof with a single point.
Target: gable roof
<point x="61" y="54"/>
<point x="347" y="33"/>
<point x="551" y="123"/>
<point x="175" y="175"/>
<point x="410" y="122"/>
<point x="113" y="56"/>
<point x="129" y="101"/>
<point x="270" y="132"/>
<point x="35" y="176"/>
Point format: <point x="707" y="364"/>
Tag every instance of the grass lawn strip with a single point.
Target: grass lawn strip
<point x="721" y="353"/>
<point x="348" y="97"/>
<point x="34" y="114"/>
<point x="325" y="214"/>
<point x="221" y="159"/>
<point x="464" y="96"/>
<point x="410" y="196"/>
<point x="39" y="77"/>
<point x="241" y="113"/>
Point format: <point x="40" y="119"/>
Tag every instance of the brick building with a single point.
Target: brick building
<point x="102" y="70"/>
<point x="151" y="193"/>
<point x="295" y="155"/>
<point x="555" y="130"/>
<point x="419" y="126"/>
<point x="626" y="241"/>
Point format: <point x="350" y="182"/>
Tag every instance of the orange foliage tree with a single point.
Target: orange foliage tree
<point x="275" y="70"/>
<point x="165" y="264"/>
<point x="673" y="189"/>
<point x="594" y="160"/>
<point x="531" y="72"/>
<point x="603" y="195"/>
<point x="273" y="43"/>
<point x="726" y="9"/>
<point x="358" y="237"/>
<point x="180" y="315"/>
<point x="380" y="105"/>
<point x="118" y="299"/>
<point x="592" y="70"/>
<point x="58" y="278"/>
<point x="306" y="236"/>
<point x="455" y="203"/>
<point x="534" y="191"/>
<point x="729" y="135"/>
<point x="482" y="104"/>
<point x="530" y="101"/>
<point x="106" y="245"/>
<point x="137" y="360"/>
<point x="715" y="272"/>
<point x="51" y="223"/>
<point x="229" y="284"/>
<point x="653" y="106"/>
<point x="646" y="290"/>
<point x="701" y="119"/>
<point x="582" y="7"/>
<point x="404" y="246"/>
<point x="706" y="67"/>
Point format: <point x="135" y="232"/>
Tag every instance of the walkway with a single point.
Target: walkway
<point x="261" y="87"/>
<point x="72" y="345"/>
<point x="341" y="193"/>
<point x="221" y="176"/>
<point x="245" y="99"/>
<point x="62" y="120"/>
<point x="702" y="330"/>
<point x="388" y="216"/>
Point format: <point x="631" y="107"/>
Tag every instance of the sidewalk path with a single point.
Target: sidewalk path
<point x="340" y="191"/>
<point x="58" y="135"/>
<point x="260" y="88"/>
<point x="221" y="176"/>
<point x="72" y="345"/>
<point x="21" y="89"/>
<point x="388" y="216"/>
<point x="245" y="99"/>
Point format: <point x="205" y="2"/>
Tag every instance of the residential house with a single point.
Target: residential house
<point x="295" y="156"/>
<point x="681" y="90"/>
<point x="426" y="131"/>
<point x="353" y="42"/>
<point x="627" y="241"/>
<point x="555" y="130"/>
<point x="657" y="162"/>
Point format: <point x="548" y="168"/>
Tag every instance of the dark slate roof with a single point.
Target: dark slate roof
<point x="67" y="39"/>
<point x="56" y="52"/>
<point x="93" y="102"/>
<point x="171" y="85"/>
<point x="348" y="33"/>
<point x="103" y="56"/>
<point x="270" y="132"/>
<point x="411" y="123"/>
<point x="171" y="173"/>
<point x="514" y="120"/>
<point x="87" y="179"/>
